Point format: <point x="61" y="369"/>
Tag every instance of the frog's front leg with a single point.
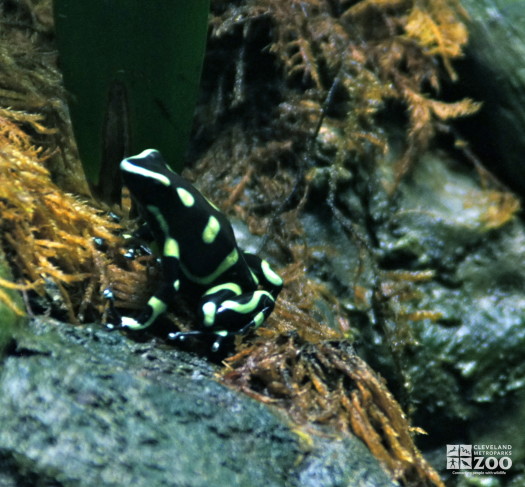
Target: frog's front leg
<point x="158" y="303"/>
<point x="155" y="306"/>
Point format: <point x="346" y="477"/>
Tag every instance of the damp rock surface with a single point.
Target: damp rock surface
<point x="458" y="365"/>
<point x="493" y="72"/>
<point x="80" y="406"/>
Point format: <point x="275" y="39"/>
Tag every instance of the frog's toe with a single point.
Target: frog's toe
<point x="216" y="346"/>
<point x="131" y="323"/>
<point x="176" y="336"/>
<point x="181" y="336"/>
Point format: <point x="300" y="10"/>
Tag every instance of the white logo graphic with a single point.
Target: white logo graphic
<point x="479" y="459"/>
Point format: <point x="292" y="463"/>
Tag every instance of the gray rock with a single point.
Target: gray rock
<point x="470" y="357"/>
<point x="461" y="375"/>
<point x="344" y="462"/>
<point x="81" y="406"/>
<point x="494" y="72"/>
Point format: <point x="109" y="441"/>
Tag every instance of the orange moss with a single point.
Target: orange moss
<point x="311" y="372"/>
<point x="324" y="385"/>
<point x="498" y="207"/>
<point x="379" y="50"/>
<point x="31" y="93"/>
<point x="48" y="235"/>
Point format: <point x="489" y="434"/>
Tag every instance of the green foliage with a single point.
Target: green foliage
<point x="132" y="68"/>
<point x="11" y="306"/>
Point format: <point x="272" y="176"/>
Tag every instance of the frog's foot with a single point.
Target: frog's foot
<point x="113" y="316"/>
<point x="115" y="319"/>
<point x="119" y="322"/>
<point x="219" y="336"/>
<point x="110" y="326"/>
<point x="181" y="336"/>
<point x="129" y="323"/>
<point x="135" y="248"/>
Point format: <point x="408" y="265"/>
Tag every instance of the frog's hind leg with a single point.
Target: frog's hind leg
<point x="225" y="312"/>
<point x="227" y="308"/>
<point x="264" y="275"/>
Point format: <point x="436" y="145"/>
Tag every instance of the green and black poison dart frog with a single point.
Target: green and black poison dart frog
<point x="233" y="290"/>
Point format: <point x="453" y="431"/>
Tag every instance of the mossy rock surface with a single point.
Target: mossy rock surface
<point x="80" y="406"/>
<point x="460" y="372"/>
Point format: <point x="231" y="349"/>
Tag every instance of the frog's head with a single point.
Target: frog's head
<point x="146" y="173"/>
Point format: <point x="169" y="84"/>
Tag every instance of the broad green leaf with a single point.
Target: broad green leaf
<point x="132" y="68"/>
